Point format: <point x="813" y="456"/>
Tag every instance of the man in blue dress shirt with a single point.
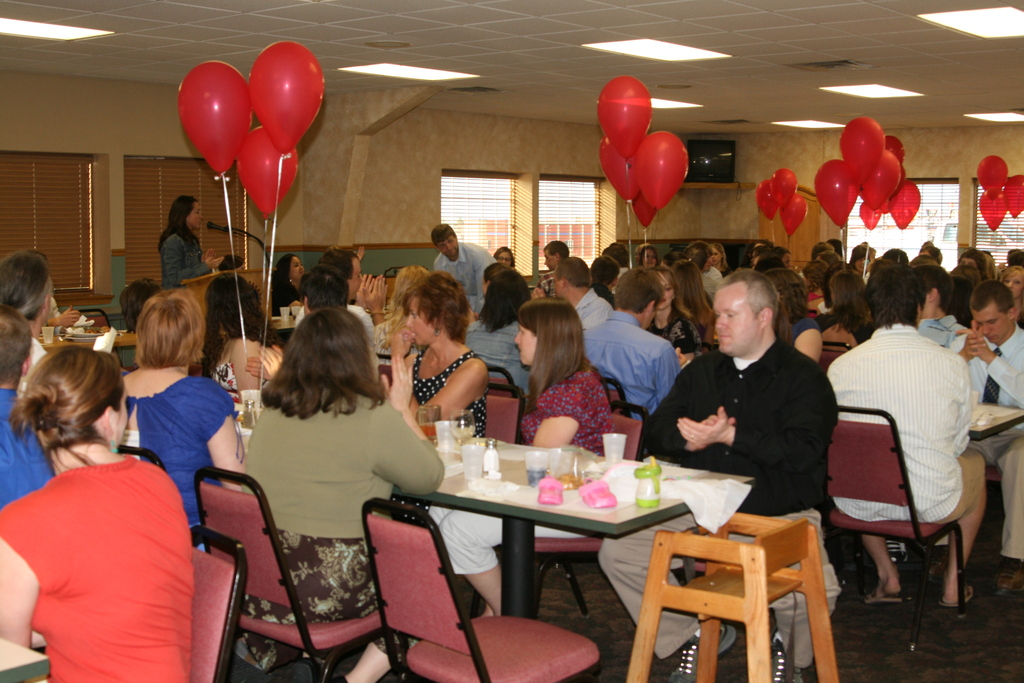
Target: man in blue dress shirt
<point x="645" y="364"/>
<point x="23" y="468"/>
<point x="465" y="262"/>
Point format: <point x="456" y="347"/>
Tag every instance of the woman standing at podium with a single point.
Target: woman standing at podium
<point x="181" y="257"/>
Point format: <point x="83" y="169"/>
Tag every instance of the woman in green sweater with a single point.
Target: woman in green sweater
<point x="330" y="438"/>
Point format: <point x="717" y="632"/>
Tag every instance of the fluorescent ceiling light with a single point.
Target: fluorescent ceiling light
<point x="671" y="104"/>
<point x="656" y="49"/>
<point x="414" y="72"/>
<point x="807" y="124"/>
<point x="996" y="22"/>
<point x="33" y="29"/>
<point x="1004" y="117"/>
<point x="873" y="90"/>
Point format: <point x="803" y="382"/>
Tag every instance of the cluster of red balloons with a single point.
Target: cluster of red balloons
<point x="1003" y="195"/>
<point x="646" y="170"/>
<point x="215" y="104"/>
<point x="871" y="167"/>
<point x="778" y="194"/>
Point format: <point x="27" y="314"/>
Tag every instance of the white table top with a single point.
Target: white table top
<point x="19" y="663"/>
<point x="996" y="418"/>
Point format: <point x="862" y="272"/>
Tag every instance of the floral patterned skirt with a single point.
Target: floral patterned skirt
<point x="333" y="580"/>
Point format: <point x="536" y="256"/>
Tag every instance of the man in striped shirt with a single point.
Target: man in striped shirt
<point x="927" y="389"/>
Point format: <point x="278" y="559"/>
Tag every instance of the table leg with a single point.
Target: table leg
<point x="518" y="596"/>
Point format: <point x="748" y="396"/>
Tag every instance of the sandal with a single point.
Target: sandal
<point x="884" y="599"/>
<point x="968" y="594"/>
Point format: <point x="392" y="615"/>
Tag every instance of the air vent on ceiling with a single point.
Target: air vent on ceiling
<point x="729" y="122"/>
<point x="473" y="90"/>
<point x="837" y="65"/>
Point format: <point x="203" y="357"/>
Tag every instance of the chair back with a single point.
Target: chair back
<point x="500" y="375"/>
<point x="614" y="389"/>
<point x="865" y="460"/>
<point x="142" y="454"/>
<point x="385" y="370"/>
<point x="97" y="315"/>
<point x="505" y="404"/>
<point x="414" y="578"/>
<point x="216" y="603"/>
<point x="830" y="351"/>
<point x="633" y="428"/>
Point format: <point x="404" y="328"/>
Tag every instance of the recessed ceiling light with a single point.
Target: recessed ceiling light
<point x="33" y="29"/>
<point x="671" y="104"/>
<point x="414" y="72"/>
<point x="873" y="90"/>
<point x="656" y="49"/>
<point x="387" y="44"/>
<point x="1003" y="117"/>
<point x="996" y="22"/>
<point x="807" y="124"/>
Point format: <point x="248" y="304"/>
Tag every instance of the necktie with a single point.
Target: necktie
<point x="991" y="388"/>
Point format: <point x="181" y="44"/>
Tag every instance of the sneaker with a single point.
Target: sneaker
<point x="779" y="661"/>
<point x="897" y="550"/>
<point x="1010" y="578"/>
<point x="687" y="671"/>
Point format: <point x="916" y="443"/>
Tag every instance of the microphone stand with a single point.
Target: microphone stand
<point x="220" y="228"/>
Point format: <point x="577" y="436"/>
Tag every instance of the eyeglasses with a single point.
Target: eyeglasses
<point x="503" y="259"/>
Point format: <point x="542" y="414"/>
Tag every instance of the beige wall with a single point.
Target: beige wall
<point x="378" y="157"/>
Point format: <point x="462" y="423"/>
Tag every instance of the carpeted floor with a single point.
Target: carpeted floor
<point x="987" y="646"/>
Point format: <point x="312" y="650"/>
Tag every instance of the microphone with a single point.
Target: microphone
<point x="210" y="225"/>
<point x="213" y="226"/>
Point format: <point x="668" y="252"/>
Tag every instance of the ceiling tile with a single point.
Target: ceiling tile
<point x="854" y="11"/>
<point x="317" y="12"/>
<point x="464" y="15"/>
<point x="169" y="11"/>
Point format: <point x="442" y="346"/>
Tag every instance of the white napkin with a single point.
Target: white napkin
<point x="105" y="342"/>
<point x="83" y="322"/>
<point x="489" y="487"/>
<point x="712" y="501"/>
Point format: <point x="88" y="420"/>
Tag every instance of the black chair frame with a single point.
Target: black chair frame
<point x="498" y="370"/>
<point x="143" y="453"/>
<point x="233" y="548"/>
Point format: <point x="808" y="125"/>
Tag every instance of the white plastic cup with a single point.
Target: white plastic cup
<point x="47" y="335"/>
<point x="473" y="460"/>
<point x="445" y="440"/>
<point x="285" y="312"/>
<point x="614" y="448"/>
<point x="536" y="466"/>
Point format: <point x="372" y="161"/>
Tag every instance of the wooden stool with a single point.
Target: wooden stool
<point x="742" y="579"/>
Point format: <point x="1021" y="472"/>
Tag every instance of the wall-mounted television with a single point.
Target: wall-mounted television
<point x="711" y="161"/>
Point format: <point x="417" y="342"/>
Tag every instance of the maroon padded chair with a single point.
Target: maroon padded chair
<point x="614" y="389"/>
<point x="385" y="370"/>
<point x="865" y="462"/>
<point x="830" y="351"/>
<point x="219" y="588"/>
<point x="505" y="404"/>
<point x="416" y="594"/>
<point x="247" y="517"/>
<point x="500" y="375"/>
<point x="559" y="551"/>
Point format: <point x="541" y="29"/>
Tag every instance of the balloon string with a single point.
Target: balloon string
<point x="273" y="242"/>
<point x="629" y="230"/>
<point x="231" y="241"/>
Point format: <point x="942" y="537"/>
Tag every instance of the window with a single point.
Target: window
<point x="151" y="185"/>
<point x="936" y="221"/>
<point x="481" y="208"/>
<point x="1010" y="234"/>
<point x="47" y="200"/>
<point x="570" y="211"/>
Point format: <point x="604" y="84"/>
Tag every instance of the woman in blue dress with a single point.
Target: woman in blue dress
<point x="181" y="257"/>
<point x="188" y="421"/>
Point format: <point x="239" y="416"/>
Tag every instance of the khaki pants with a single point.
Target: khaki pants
<point x="1006" y="452"/>
<point x="624" y="560"/>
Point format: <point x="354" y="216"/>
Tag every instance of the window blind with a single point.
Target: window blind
<point x="47" y="200"/>
<point x="936" y="222"/>
<point x="570" y="211"/>
<point x="481" y="208"/>
<point x="151" y="185"/>
<point x="1010" y="234"/>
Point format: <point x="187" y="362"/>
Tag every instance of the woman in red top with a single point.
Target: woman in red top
<point x="98" y="562"/>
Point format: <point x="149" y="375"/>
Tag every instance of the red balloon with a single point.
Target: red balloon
<point x="661" y="165"/>
<point x="620" y="172"/>
<point x="287" y="86"/>
<point x="765" y="199"/>
<point x="992" y="173"/>
<point x="993" y="208"/>
<point x="257" y="169"/>
<point x="869" y="216"/>
<point x="793" y="213"/>
<point x="1014" y="192"/>
<point x="213" y="104"/>
<point x="783" y="185"/>
<point x="882" y="182"/>
<point x="624" y="111"/>
<point x="899" y="185"/>
<point x="905" y="204"/>
<point x="837" y="192"/>
<point x="862" y="144"/>
<point x="893" y="144"/>
<point x="645" y="213"/>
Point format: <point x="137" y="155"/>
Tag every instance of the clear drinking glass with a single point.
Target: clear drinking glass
<point x="463" y="425"/>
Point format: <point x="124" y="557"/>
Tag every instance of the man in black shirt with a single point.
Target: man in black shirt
<point x="756" y="407"/>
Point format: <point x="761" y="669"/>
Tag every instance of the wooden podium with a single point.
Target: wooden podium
<point x="199" y="285"/>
